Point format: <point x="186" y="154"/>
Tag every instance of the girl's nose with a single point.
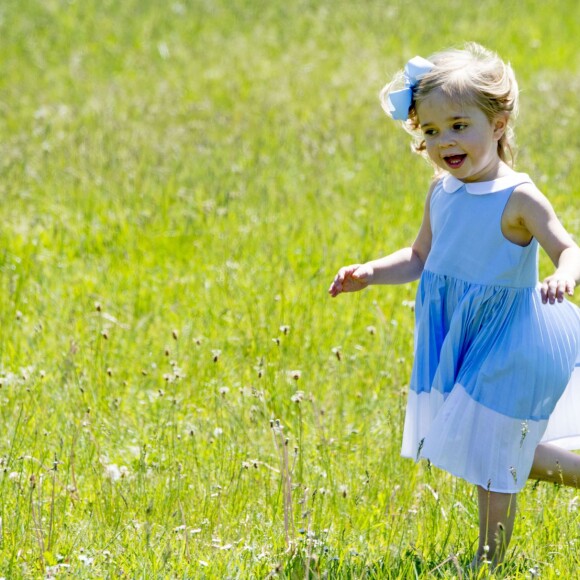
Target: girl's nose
<point x="447" y="140"/>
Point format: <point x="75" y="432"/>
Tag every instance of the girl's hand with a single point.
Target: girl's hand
<point x="554" y="288"/>
<point x="351" y="279"/>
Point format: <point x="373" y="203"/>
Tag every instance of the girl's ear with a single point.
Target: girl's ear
<point x="500" y="125"/>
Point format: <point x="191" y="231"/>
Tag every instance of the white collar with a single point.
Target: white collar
<point x="452" y="184"/>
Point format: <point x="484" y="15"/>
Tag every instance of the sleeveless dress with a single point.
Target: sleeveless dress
<point x="496" y="371"/>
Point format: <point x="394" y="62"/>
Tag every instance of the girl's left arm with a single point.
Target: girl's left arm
<point x="537" y="216"/>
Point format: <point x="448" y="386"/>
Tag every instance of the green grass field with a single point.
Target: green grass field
<point x="179" y="183"/>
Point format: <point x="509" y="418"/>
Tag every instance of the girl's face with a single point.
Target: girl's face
<point x="460" y="139"/>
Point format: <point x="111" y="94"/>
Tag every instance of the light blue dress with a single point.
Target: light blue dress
<point x="496" y="371"/>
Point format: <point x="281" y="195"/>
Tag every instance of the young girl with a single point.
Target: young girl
<point x="496" y="372"/>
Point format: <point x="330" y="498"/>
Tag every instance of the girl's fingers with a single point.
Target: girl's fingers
<point x="554" y="290"/>
<point x="343" y="274"/>
<point x="348" y="279"/>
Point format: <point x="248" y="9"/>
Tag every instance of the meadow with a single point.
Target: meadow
<point x="179" y="182"/>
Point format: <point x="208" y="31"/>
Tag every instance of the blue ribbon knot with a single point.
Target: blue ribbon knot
<point x="399" y="102"/>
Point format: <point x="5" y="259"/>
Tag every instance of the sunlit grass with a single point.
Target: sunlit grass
<point x="179" y="183"/>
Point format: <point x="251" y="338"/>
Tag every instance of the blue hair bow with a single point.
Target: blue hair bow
<point x="399" y="102"/>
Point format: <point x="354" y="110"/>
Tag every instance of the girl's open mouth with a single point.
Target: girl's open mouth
<point x="455" y="161"/>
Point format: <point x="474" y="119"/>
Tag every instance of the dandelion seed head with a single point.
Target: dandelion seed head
<point x="297" y="397"/>
<point x="112" y="472"/>
<point x="86" y="560"/>
<point x="178" y="8"/>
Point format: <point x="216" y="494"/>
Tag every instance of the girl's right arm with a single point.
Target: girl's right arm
<point x="402" y="266"/>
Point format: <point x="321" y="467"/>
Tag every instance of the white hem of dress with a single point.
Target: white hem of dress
<point x="446" y="433"/>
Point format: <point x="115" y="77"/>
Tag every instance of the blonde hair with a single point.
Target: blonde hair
<point x="473" y="75"/>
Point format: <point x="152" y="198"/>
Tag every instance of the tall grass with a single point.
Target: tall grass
<point x="179" y="183"/>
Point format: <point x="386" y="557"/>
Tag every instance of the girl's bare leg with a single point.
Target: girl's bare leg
<point x="551" y="463"/>
<point x="497" y="510"/>
<point x="496" y="523"/>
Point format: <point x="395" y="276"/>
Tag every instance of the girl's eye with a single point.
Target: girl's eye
<point x="429" y="132"/>
<point x="459" y="126"/>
